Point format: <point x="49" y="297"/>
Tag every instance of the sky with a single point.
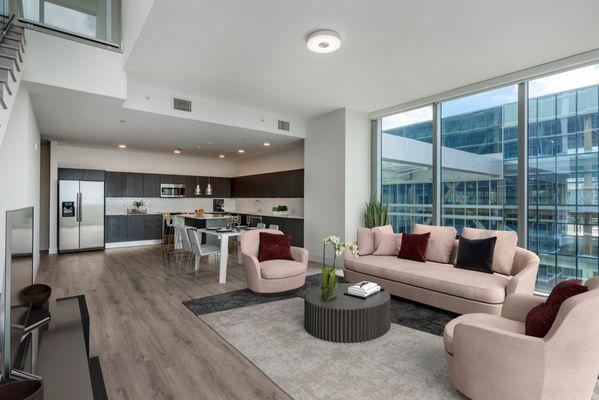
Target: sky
<point x="577" y="78"/>
<point x="61" y="17"/>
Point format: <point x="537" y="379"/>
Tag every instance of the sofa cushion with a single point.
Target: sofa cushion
<point x="414" y="246"/>
<point x="279" y="269"/>
<point x="505" y="247"/>
<point x="386" y="244"/>
<point x="366" y="238"/>
<point x="492" y="321"/>
<point x="442" y="278"/>
<point x="540" y="319"/>
<point x="476" y="254"/>
<point x="441" y="241"/>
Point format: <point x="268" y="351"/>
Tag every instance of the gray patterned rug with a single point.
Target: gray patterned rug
<point x="405" y="363"/>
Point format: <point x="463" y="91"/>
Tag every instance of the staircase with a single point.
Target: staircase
<point x="12" y="48"/>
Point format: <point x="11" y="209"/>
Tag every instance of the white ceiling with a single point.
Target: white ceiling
<point x="254" y="53"/>
<point x="83" y="118"/>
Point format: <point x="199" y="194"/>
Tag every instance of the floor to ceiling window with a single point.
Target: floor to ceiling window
<point x="479" y="138"/>
<point x="479" y="183"/>
<point x="563" y="167"/>
<point x="407" y="167"/>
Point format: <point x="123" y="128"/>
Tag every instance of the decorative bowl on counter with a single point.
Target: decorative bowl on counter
<point x="280" y="213"/>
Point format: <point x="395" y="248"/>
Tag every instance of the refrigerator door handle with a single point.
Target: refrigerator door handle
<point x="78" y="207"/>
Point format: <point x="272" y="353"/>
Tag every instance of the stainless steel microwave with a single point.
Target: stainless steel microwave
<point x="172" y="190"/>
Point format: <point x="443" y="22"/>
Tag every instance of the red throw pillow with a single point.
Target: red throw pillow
<point x="274" y="247"/>
<point x="540" y="319"/>
<point x="414" y="246"/>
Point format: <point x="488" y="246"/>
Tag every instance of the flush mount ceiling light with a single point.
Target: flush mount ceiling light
<point x="323" y="41"/>
<point x="241" y="151"/>
<point x="177" y="151"/>
<point x="266" y="144"/>
<point x="122" y="146"/>
<point x="221" y="156"/>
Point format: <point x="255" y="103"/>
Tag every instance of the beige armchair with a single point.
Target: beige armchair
<point x="272" y="276"/>
<point x="490" y="357"/>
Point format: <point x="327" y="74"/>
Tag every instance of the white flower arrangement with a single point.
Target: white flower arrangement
<point x="339" y="247"/>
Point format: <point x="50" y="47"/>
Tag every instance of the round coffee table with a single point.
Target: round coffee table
<point x="347" y="319"/>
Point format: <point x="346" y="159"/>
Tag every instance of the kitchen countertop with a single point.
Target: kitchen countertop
<point x="267" y="214"/>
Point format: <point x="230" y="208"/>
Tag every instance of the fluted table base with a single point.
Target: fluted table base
<point x="347" y="319"/>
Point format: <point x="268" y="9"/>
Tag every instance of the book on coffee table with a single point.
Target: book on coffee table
<point x="363" y="289"/>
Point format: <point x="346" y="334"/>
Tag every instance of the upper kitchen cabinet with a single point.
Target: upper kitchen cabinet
<point x="179" y="179"/>
<point x="134" y="184"/>
<point x="284" y="184"/>
<point x="221" y="187"/>
<point x="190" y="185"/>
<point x="116" y="184"/>
<point x="70" y="174"/>
<point x="166" y="179"/>
<point x="151" y="185"/>
<point x="94" y="175"/>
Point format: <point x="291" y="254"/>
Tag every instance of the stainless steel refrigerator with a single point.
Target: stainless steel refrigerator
<point x="81" y="215"/>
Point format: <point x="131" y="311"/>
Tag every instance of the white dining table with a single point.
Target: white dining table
<point x="224" y="250"/>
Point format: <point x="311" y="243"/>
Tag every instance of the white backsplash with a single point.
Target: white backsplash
<point x="295" y="206"/>
<point x="120" y="205"/>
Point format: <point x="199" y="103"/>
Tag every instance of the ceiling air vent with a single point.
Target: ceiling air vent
<point x="181" y="104"/>
<point x="283" y="125"/>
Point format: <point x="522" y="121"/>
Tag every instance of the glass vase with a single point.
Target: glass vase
<point x="327" y="286"/>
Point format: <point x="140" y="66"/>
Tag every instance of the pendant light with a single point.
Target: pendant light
<point x="209" y="188"/>
<point x="198" y="189"/>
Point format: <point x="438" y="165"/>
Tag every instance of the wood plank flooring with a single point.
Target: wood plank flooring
<point x="149" y="344"/>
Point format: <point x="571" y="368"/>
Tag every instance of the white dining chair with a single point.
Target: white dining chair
<point x="273" y="226"/>
<point x="198" y="249"/>
<point x="185" y="252"/>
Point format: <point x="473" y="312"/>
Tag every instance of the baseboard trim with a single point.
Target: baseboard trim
<point x="134" y="243"/>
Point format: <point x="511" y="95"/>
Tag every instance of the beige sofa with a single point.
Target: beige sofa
<point x="490" y="357"/>
<point x="442" y="285"/>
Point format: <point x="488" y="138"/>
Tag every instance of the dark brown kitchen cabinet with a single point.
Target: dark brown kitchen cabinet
<point x="284" y="184"/>
<point x="93" y="175"/>
<point x="134" y="185"/>
<point x="179" y="179"/>
<point x="151" y="185"/>
<point x="116" y="184"/>
<point x="190" y="185"/>
<point x="221" y="187"/>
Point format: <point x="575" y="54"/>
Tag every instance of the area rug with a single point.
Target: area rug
<point x="403" y="312"/>
<point x="405" y="363"/>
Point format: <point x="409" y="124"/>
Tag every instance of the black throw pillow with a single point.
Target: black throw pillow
<point x="476" y="254"/>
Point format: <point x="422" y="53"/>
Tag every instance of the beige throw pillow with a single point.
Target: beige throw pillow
<point x="366" y="238"/>
<point x="505" y="247"/>
<point x="441" y="242"/>
<point x="386" y="244"/>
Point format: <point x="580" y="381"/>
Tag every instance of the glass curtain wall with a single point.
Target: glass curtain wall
<point x="406" y="176"/>
<point x="563" y="165"/>
<point x="479" y="168"/>
<point x="479" y="159"/>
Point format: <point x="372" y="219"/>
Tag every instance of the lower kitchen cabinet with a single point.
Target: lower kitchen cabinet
<point x="136" y="225"/>
<point x="289" y="226"/>
<point x="115" y="229"/>
<point x="153" y="227"/>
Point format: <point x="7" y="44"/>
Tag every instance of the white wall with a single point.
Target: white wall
<point x="71" y="156"/>
<point x="20" y="169"/>
<point x="285" y="160"/>
<point x="337" y="177"/>
<point x="134" y="16"/>
<point x="54" y="61"/>
<point x="324" y="180"/>
<point x="357" y="170"/>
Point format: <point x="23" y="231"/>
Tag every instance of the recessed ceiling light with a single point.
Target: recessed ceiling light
<point x="221" y="156"/>
<point x="122" y="121"/>
<point x="177" y="151"/>
<point x="209" y="143"/>
<point x="241" y="151"/>
<point x="323" y="41"/>
<point x="266" y="144"/>
<point x="122" y="146"/>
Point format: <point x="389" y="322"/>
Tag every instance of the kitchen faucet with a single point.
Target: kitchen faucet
<point x="258" y="204"/>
